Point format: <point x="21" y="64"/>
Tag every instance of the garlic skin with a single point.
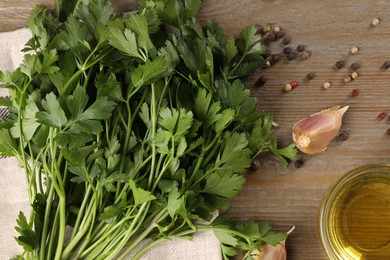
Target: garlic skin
<point x="268" y="252"/>
<point x="312" y="135"/>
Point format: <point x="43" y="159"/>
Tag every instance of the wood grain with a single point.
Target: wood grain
<point x="328" y="29"/>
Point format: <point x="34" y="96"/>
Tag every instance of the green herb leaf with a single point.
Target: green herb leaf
<point x="140" y="195"/>
<point x="53" y="115"/>
<point x="7" y="144"/>
<point x="224" y="185"/>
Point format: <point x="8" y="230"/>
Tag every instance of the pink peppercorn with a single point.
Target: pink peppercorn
<point x="294" y="84"/>
<point x="382" y="115"/>
<point x="354" y="93"/>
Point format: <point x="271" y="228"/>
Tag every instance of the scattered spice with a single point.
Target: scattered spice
<point x="355" y="66"/>
<point x="354" y="75"/>
<point x="375" y="22"/>
<point x="339" y="64"/>
<point x="294" y="84"/>
<point x="268" y="63"/>
<point x="354" y="50"/>
<point x="280" y="35"/>
<point x="305" y="55"/>
<point x="275" y="58"/>
<point x="292" y="55"/>
<point x="256" y="164"/>
<point x="347" y="79"/>
<point x="287" y="50"/>
<point x="286" y="40"/>
<point x="277" y="29"/>
<point x="310" y="75"/>
<point x="298" y="163"/>
<point x="266" y="28"/>
<point x="261" y="81"/>
<point x="300" y="48"/>
<point x="287" y="87"/>
<point x="386" y="65"/>
<point x="326" y="85"/>
<point x="382" y="115"/>
<point x="354" y="92"/>
<point x="388" y="131"/>
<point x="343" y="136"/>
<point x="271" y="37"/>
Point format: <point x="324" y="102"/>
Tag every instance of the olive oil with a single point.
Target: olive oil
<point x="356" y="215"/>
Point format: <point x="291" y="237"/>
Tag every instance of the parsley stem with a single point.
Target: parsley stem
<point x="157" y="219"/>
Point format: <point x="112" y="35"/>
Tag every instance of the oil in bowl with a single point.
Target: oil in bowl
<point x="354" y="217"/>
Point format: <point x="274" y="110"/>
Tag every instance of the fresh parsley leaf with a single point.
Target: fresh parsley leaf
<point x="7" y="144"/>
<point x="224" y="184"/>
<point x="53" y="115"/>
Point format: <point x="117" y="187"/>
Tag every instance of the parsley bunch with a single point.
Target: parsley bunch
<point x="132" y="127"/>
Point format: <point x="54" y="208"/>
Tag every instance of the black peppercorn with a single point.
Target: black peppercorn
<point x="343" y="136"/>
<point x="256" y="164"/>
<point x="292" y="55"/>
<point x="339" y="64"/>
<point x="275" y="58"/>
<point x="355" y="66"/>
<point x="300" y="48"/>
<point x="280" y="35"/>
<point x="271" y="37"/>
<point x="386" y="65"/>
<point x="286" y="40"/>
<point x="310" y="75"/>
<point x="298" y="163"/>
<point x="287" y="50"/>
<point x="260" y="81"/>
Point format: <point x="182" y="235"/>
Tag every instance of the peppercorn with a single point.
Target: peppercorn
<point x="326" y="85"/>
<point x="347" y="79"/>
<point x="355" y="66"/>
<point x="354" y="75"/>
<point x="275" y="58"/>
<point x="294" y="84"/>
<point x="280" y="35"/>
<point x="386" y="65"/>
<point x="310" y="75"/>
<point x="343" y="136"/>
<point x="277" y="29"/>
<point x="287" y="50"/>
<point x="261" y="81"/>
<point x="266" y="28"/>
<point x="291" y="55"/>
<point x="305" y="55"/>
<point x="388" y="131"/>
<point x="286" y="40"/>
<point x="287" y="87"/>
<point x="354" y="92"/>
<point x="298" y="163"/>
<point x="256" y="164"/>
<point x="382" y="115"/>
<point x="375" y="22"/>
<point x="271" y="37"/>
<point x="354" y="50"/>
<point x="300" y="48"/>
<point x="339" y="64"/>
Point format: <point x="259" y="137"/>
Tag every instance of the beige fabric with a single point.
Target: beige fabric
<point x="13" y="192"/>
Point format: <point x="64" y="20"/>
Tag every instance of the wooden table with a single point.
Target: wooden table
<point x="328" y="29"/>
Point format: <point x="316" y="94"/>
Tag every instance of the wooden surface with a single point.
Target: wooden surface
<point x="328" y="29"/>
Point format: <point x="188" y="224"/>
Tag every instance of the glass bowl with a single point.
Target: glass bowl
<point x="354" y="216"/>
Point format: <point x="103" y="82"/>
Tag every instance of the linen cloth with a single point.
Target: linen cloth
<point x="14" y="198"/>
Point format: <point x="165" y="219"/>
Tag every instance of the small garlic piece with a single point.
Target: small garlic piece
<point x="313" y="134"/>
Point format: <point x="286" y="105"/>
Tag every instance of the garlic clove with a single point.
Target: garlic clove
<point x="312" y="135"/>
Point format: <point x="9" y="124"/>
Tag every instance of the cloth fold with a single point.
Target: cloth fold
<point x="13" y="190"/>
